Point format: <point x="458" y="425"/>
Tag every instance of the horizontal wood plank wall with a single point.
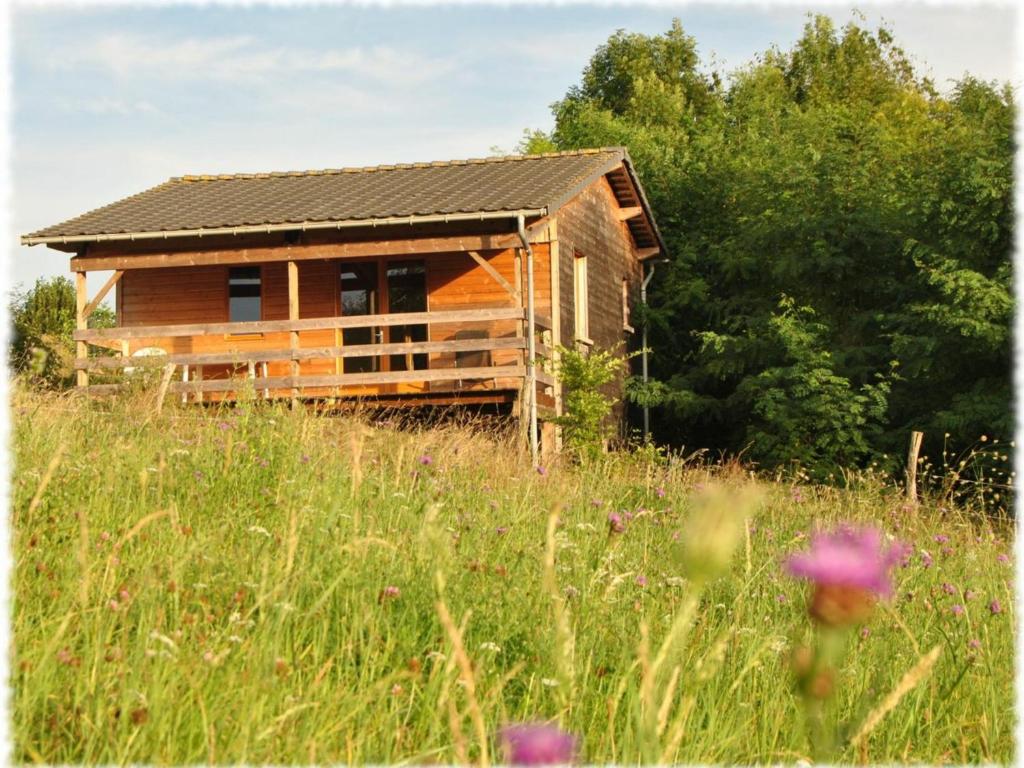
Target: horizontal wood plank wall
<point x="589" y="224"/>
<point x="200" y="295"/>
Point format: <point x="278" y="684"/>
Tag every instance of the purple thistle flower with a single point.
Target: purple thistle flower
<point x="957" y="610"/>
<point x="1002" y="558"/>
<point x="848" y="557"/>
<point x="926" y="560"/>
<point x="994" y="607"/>
<point x="615" y="524"/>
<point x="942" y="538"/>
<point x="970" y="594"/>
<point x="304" y="459"/>
<point x="948" y="588"/>
<point x="975" y="644"/>
<point x="542" y="471"/>
<point x="864" y="632"/>
<point x="641" y="580"/>
<point x="426" y="460"/>
<point x="659" y="492"/>
<point x="537" y="744"/>
<point x="780" y="598"/>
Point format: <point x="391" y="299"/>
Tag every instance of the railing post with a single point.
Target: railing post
<point x="293" y="336"/>
<point x="81" y="322"/>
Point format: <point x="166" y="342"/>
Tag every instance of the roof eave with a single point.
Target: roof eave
<point x="304" y="226"/>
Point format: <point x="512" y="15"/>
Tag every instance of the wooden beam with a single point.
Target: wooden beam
<point x="490" y="270"/>
<point x="93" y="335"/>
<point x="352" y="379"/>
<point x="81" y="323"/>
<point x="239" y="356"/>
<point x="268" y="254"/>
<point x="91" y="306"/>
<point x="630" y="212"/>
<point x="293" y="314"/>
<point x="647" y="253"/>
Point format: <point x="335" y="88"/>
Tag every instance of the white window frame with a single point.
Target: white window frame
<point x="581" y="297"/>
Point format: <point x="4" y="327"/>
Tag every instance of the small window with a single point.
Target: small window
<point x="626" y="325"/>
<point x="579" y="279"/>
<point x="245" y="294"/>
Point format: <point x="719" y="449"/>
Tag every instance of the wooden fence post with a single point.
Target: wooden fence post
<point x="912" y="454"/>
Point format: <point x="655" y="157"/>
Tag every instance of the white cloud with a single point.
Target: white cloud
<point x="109" y="106"/>
<point x="247" y="59"/>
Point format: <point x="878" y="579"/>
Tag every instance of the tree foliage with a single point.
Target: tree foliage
<point x="43" y="320"/>
<point x="840" y="234"/>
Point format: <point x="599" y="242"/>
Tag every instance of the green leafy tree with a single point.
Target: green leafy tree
<point x="43" y="320"/>
<point x="834" y="176"/>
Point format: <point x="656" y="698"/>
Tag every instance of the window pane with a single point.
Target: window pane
<point x="244" y="294"/>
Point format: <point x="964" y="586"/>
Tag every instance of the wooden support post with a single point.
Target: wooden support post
<point x="293" y="314"/>
<point x="199" y="378"/>
<point x="556" y="324"/>
<point x="184" y="379"/>
<point x="264" y="374"/>
<point x="912" y="454"/>
<point x="164" y="384"/>
<point x="81" y="322"/>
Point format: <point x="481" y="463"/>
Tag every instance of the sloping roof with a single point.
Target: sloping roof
<point x="490" y="187"/>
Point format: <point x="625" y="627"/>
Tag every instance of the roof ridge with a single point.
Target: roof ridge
<point x="192" y="178"/>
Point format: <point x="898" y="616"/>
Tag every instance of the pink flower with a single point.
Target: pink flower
<point x="660" y="492"/>
<point x="864" y="632"/>
<point x="541" y="471"/>
<point x="615" y="524"/>
<point x="537" y="744"/>
<point x="641" y="580"/>
<point x="957" y="610"/>
<point x="848" y="557"/>
<point x="994" y="607"/>
<point x="426" y="460"/>
<point x="948" y="588"/>
<point x="1002" y="558"/>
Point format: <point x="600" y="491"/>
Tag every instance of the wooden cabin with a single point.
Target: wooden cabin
<point x="422" y="284"/>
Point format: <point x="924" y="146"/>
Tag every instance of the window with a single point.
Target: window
<point x="626" y="325"/>
<point x="579" y="281"/>
<point x="244" y="294"/>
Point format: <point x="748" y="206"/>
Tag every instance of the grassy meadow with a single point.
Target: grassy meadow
<point x="259" y="586"/>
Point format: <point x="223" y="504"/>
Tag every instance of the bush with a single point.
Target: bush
<point x="43" y="320"/>
<point x="586" y="409"/>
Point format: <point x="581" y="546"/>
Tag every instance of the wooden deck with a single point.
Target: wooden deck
<point x="278" y="372"/>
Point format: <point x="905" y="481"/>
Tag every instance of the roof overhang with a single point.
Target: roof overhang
<point x="73" y="242"/>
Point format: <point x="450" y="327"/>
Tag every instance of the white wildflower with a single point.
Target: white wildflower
<point x="490" y="647"/>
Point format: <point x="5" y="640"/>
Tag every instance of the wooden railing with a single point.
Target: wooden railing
<point x="255" y="359"/>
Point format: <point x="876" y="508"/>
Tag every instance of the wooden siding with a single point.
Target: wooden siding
<point x="181" y="295"/>
<point x="590" y="225"/>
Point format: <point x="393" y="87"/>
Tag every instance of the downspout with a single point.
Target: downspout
<point x="531" y="342"/>
<point x="643" y="354"/>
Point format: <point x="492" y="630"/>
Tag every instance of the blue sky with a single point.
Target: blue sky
<point x="109" y="100"/>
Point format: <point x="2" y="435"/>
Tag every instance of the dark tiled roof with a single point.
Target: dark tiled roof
<point x="345" y="195"/>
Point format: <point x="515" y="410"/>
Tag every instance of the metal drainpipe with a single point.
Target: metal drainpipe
<point x="531" y="343"/>
<point x="643" y="300"/>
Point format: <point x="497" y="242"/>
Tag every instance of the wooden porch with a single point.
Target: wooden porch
<point x="484" y="369"/>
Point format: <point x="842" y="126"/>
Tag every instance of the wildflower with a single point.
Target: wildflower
<point x="104" y="536"/>
<point x="641" y="580"/>
<point x="396" y="690"/>
<point x="388" y="593"/>
<point x="304" y="459"/>
<point x="501" y="530"/>
<point x="941" y="538"/>
<point x="864" y="632"/>
<point x="547" y="681"/>
<point x="426" y="460"/>
<point x="994" y="607"/>
<point x="113" y="605"/>
<point x="197" y="475"/>
<point x="970" y="594"/>
<point x="926" y="560"/>
<point x="659" y="492"/>
<point x="493" y="647"/>
<point x="223" y="426"/>
<point x="1002" y="558"/>
<point x="975" y="644"/>
<point x="957" y="610"/>
<point x="541" y="471"/>
<point x="615" y="524"/>
<point x="571" y="592"/>
<point x="538" y="744"/>
<point x="780" y="598"/>
<point x="849" y="568"/>
<point x="948" y="588"/>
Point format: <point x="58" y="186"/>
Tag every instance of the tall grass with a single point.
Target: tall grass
<point x="256" y="585"/>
